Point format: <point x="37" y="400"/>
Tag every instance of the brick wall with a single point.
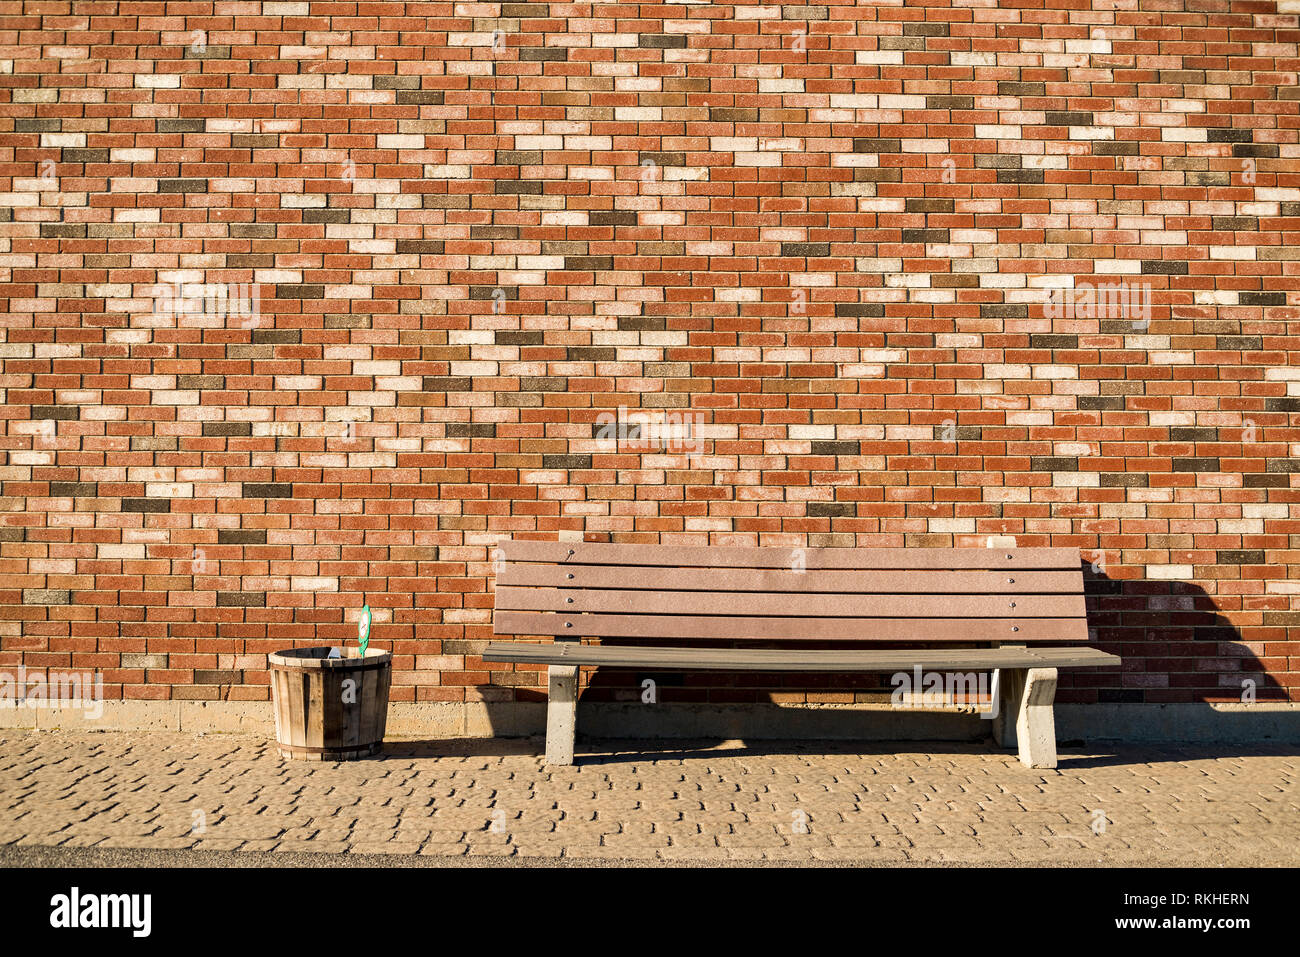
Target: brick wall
<point x="307" y="305"/>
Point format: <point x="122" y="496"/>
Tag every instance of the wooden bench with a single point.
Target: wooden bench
<point x="1008" y="611"/>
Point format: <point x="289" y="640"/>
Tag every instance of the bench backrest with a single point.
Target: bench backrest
<point x="595" y="590"/>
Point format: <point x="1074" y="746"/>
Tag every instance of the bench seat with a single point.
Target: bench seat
<point x="756" y="659"/>
<point x="1010" y="611"/>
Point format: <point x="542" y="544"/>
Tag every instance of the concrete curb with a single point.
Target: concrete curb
<point x="1231" y="723"/>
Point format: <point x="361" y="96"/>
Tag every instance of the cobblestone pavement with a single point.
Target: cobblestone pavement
<point x="782" y="802"/>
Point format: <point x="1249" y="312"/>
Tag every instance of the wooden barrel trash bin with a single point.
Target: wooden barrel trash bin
<point x="330" y="709"/>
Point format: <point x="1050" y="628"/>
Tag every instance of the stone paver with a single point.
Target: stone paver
<point x="812" y="803"/>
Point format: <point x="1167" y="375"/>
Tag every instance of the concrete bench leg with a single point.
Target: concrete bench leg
<point x="561" y="713"/>
<point x="1025" y="719"/>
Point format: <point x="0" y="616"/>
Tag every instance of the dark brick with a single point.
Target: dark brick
<point x="494" y="232"/>
<point x="1003" y="310"/>
<point x="1239" y="343"/>
<point x="471" y="430"/>
<point x="506" y="337"/>
<point x="421" y="97"/>
<point x="1164" y="267"/>
<point x="193" y="185"/>
<point x="831" y="510"/>
<point x="642" y="323"/>
<point x="422" y="247"/>
<point x="241" y="536"/>
<point x="442" y="383"/>
<point x="181" y="125"/>
<point x="868" y="144"/>
<point x="947" y="101"/>
<point x="277" y="336"/>
<point x="1053" y="342"/>
<point x="566" y="461"/>
<point x="1235" y="223"/>
<point x="74" y="489"/>
<point x="211" y="51"/>
<point x="1053" y="463"/>
<point x="517" y="187"/>
<point x="1260" y="480"/>
<point x="661" y="41"/>
<point x="543" y="384"/>
<point x="1240" y="556"/>
<point x="227" y="428"/>
<point x="1018" y="88"/>
<point x="1200" y="464"/>
<point x="1259" y="150"/>
<point x="800" y="250"/>
<point x="1262" y="298"/>
<point x="588" y="263"/>
<point x="518" y="157"/>
<point x="73" y="155"/>
<point x="662" y="159"/>
<point x="614" y="217"/>
<point x="1278" y="404"/>
<point x="203" y="676"/>
<point x="1194" y="434"/>
<point x="1101" y="403"/>
<point x="63" y="230"/>
<point x="541" y="54"/>
<point x="1068" y="118"/>
<point x="928" y="205"/>
<point x="268" y="490"/>
<point x="1124" y="480"/>
<point x="254" y="141"/>
<point x="836" y="448"/>
<point x="146" y="505"/>
<point x="1228" y="136"/>
<point x="326" y="216"/>
<point x="590" y="354"/>
<point x="487" y="292"/>
<point x="241" y="599"/>
<point x="870" y="310"/>
<point x="1020" y="175"/>
<point x="732" y="114"/>
<point x="300" y="291"/>
<point x="805" y="12"/>
<point x="200" y="382"/>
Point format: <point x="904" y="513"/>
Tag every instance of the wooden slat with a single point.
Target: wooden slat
<point x="610" y="601"/>
<point x="862" y="582"/>
<point x="752" y="659"/>
<point x="702" y="556"/>
<point x="687" y="627"/>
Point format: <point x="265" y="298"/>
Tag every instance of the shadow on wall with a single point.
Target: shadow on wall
<point x="1176" y="645"/>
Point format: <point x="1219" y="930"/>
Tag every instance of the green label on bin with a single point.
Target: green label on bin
<point x="363" y="629"/>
